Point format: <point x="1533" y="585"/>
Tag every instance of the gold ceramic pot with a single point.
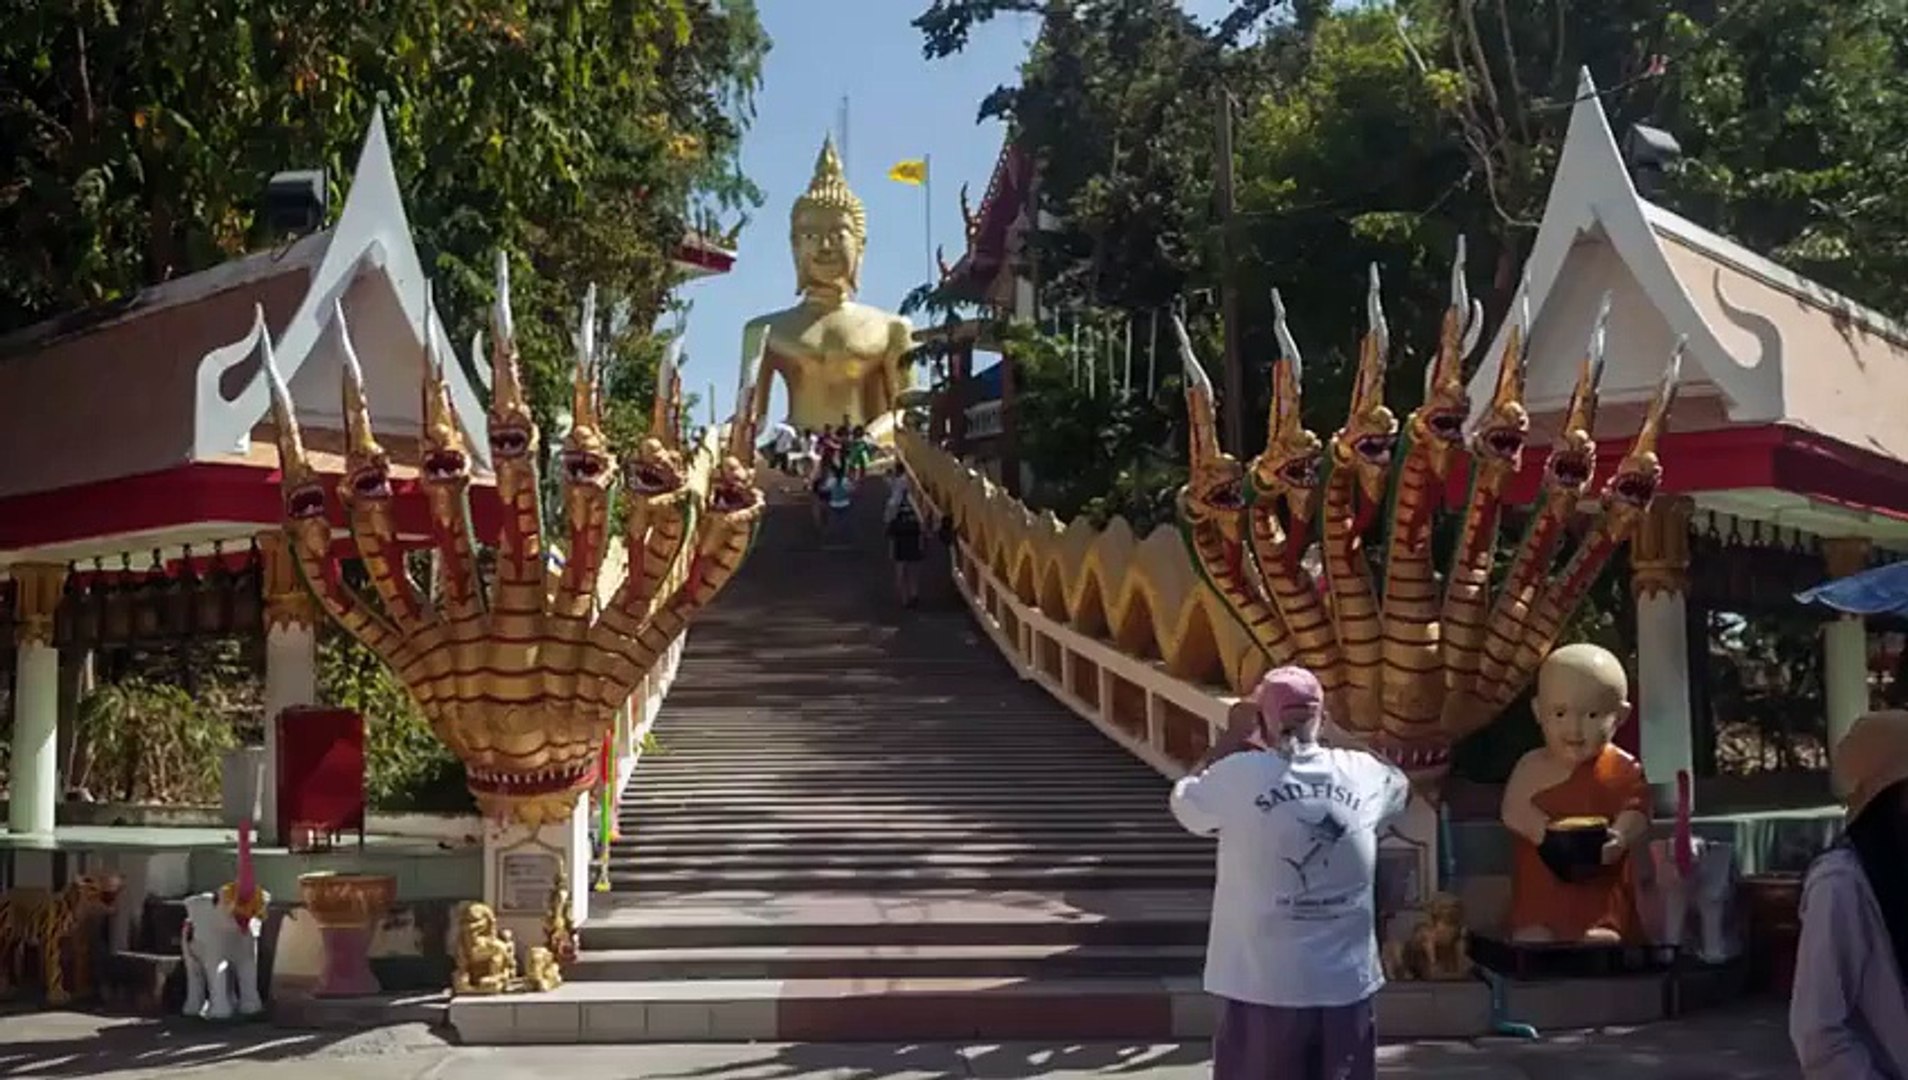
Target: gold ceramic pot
<point x="347" y="901"/>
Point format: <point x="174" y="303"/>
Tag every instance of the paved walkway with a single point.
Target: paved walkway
<point x="1742" y="1043"/>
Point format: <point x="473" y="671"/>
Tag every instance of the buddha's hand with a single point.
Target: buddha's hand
<point x="1615" y="848"/>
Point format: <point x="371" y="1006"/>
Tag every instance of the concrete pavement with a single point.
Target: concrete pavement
<point x="1740" y="1043"/>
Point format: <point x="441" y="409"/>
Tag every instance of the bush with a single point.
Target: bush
<point x="140" y="741"/>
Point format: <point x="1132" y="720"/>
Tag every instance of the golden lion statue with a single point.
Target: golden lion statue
<point x="486" y="955"/>
<point x="1436" y="949"/>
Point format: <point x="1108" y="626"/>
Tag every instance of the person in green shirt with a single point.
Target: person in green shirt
<point x="859" y="453"/>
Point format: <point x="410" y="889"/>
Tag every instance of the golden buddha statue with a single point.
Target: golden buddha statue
<point x="841" y="360"/>
<point x="1576" y="807"/>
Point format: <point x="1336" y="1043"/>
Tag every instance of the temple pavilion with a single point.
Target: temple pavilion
<point x="139" y="486"/>
<point x="1786" y="464"/>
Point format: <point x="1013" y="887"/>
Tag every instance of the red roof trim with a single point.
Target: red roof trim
<point x="697" y="252"/>
<point x="1732" y="459"/>
<point x="187" y="495"/>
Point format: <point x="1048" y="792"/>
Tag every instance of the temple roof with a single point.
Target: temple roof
<point x="993" y="231"/>
<point x="1765" y="345"/>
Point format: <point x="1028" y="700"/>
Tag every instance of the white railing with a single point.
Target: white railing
<point x="1163" y="720"/>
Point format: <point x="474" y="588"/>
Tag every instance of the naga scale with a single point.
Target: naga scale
<point x="1411" y="660"/>
<point x="522" y="680"/>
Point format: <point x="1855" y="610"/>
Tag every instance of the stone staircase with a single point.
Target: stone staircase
<point x="861" y="824"/>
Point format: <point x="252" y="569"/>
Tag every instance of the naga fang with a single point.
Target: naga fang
<point x="521" y="680"/>
<point x="1411" y="660"/>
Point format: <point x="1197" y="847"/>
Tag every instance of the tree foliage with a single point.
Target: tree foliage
<point x="1379" y="133"/>
<point x="583" y="136"/>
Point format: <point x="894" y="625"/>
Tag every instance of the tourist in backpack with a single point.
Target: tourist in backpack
<point x="1293" y="952"/>
<point x="1848" y="1011"/>
<point x="904" y="537"/>
<point x="837" y="493"/>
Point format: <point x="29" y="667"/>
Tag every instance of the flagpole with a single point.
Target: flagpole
<point x="927" y="209"/>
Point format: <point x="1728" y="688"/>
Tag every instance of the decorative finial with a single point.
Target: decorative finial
<point x="1196" y="377"/>
<point x="360" y="440"/>
<point x="1599" y="333"/>
<point x="1375" y="315"/>
<point x="500" y="320"/>
<point x="1288" y="346"/>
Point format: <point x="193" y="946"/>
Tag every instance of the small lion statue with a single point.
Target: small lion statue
<point x="486" y="955"/>
<point x="1436" y="949"/>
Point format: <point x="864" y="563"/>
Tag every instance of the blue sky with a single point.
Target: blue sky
<point x="900" y="106"/>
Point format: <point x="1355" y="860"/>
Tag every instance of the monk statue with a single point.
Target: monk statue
<point x="1576" y="807"/>
<point x="840" y="360"/>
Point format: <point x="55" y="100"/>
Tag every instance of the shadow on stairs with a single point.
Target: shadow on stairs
<point x="862" y="825"/>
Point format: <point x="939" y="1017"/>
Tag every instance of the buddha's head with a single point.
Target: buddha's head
<point x="828" y="230"/>
<point x="1582" y="695"/>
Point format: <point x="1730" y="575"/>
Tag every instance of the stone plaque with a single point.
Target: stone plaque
<point x="524" y="882"/>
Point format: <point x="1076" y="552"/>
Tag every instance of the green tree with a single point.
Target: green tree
<point x="583" y="136"/>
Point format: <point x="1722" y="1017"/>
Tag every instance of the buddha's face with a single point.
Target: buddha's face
<point x="1579" y="707"/>
<point x="827" y="254"/>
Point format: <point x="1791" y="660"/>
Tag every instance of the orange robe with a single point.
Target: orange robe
<point x="1605" y="786"/>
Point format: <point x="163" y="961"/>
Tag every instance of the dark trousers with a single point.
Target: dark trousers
<point x="1266" y="1042"/>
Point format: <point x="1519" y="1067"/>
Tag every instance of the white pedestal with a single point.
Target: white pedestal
<point x="34" y="766"/>
<point x="291" y="680"/>
<point x="1844" y="674"/>
<point x="520" y="864"/>
<point x="1662" y="676"/>
<point x="1407" y="867"/>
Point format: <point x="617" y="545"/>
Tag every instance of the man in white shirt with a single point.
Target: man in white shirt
<point x="1293" y="952"/>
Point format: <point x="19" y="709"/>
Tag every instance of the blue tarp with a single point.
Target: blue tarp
<point x="984" y="385"/>
<point x="1881" y="591"/>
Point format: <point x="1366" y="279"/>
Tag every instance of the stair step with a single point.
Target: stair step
<point x="1132" y="1009"/>
<point x="909" y="877"/>
<point x="706" y="846"/>
<point x="885" y="961"/>
<point x="891" y="832"/>
<point x="900" y="918"/>
<point x="925" y="859"/>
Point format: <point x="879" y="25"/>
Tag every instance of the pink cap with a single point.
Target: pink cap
<point x="1289" y="688"/>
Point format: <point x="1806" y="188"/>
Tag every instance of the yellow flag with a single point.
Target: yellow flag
<point x="913" y="171"/>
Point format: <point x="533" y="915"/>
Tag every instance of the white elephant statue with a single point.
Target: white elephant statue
<point x="220" y="943"/>
<point x="221" y="949"/>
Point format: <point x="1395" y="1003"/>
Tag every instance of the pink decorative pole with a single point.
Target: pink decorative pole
<point x="1685" y="844"/>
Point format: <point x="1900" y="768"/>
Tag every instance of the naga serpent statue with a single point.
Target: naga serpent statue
<point x="1410" y="664"/>
<point x="523" y="680"/>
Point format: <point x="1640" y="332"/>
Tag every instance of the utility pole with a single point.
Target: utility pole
<point x="1232" y="379"/>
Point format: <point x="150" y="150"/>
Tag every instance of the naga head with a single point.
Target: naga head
<point x="1573" y="457"/>
<point x="303" y="491"/>
<point x="1628" y="492"/>
<point x="366" y="486"/>
<point x="1438" y="424"/>
<point x="656" y="469"/>
<point x="1497" y="442"/>
<point x="1288" y="468"/>
<point x="734" y="499"/>
<point x="1215" y="481"/>
<point x="588" y="467"/>
<point x="444" y="464"/>
<point x="1370" y="434"/>
<point x="513" y="431"/>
